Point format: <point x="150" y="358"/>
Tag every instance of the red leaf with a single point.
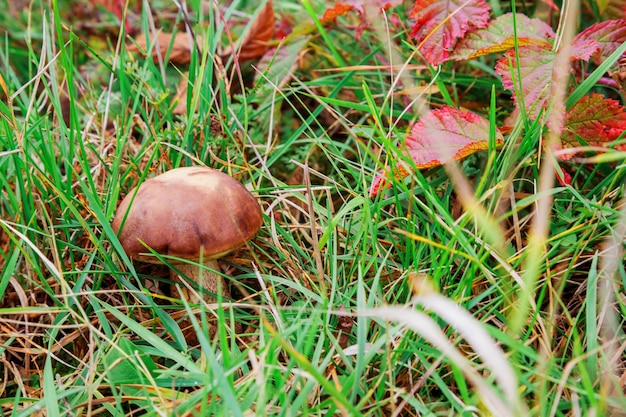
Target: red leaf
<point x="539" y="78"/>
<point x="284" y="27"/>
<point x="535" y="72"/>
<point x="367" y="10"/>
<point x="255" y="41"/>
<point x="595" y="119"/>
<point x="439" y="24"/>
<point x="499" y="36"/>
<point x="446" y="134"/>
<point x="584" y="49"/>
<point x="440" y="137"/>
<point x="607" y="37"/>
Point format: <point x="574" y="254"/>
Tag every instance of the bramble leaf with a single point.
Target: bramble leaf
<point x="440" y="24"/>
<point x="607" y="36"/>
<point x="499" y="36"/>
<point x="440" y="137"/>
<point x="539" y="78"/>
<point x="583" y="50"/>
<point x="596" y="120"/>
<point x="446" y="134"/>
<point x="535" y="72"/>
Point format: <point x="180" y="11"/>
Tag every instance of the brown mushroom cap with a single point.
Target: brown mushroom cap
<point x="187" y="213"/>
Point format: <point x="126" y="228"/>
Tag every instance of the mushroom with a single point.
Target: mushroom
<point x="193" y="213"/>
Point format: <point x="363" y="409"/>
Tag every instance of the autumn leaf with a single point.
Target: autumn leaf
<point x="596" y="120"/>
<point x="332" y="13"/>
<point x="539" y="78"/>
<point x="499" y="36"/>
<point x="366" y="9"/>
<point x="440" y="24"/>
<point x="583" y="51"/>
<point x="256" y="40"/>
<point x="607" y="37"/>
<point x="178" y="46"/>
<point x="534" y="69"/>
<point x="439" y="137"/>
<point x="446" y="134"/>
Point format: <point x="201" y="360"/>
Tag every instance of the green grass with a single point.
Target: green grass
<point x="453" y="300"/>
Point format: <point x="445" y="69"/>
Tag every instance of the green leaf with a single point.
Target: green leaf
<point x="126" y="364"/>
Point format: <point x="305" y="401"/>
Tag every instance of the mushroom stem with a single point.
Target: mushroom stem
<point x="206" y="278"/>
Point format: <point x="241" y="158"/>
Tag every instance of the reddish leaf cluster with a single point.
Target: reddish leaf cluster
<point x="535" y="78"/>
<point x="531" y="67"/>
